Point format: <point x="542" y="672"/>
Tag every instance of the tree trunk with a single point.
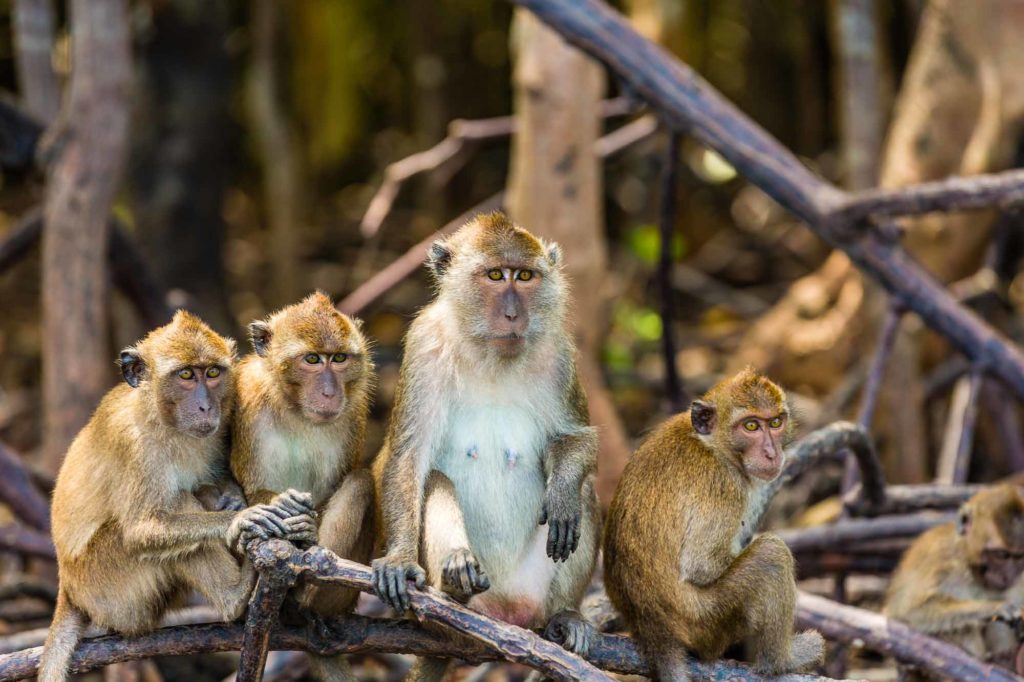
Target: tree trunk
<point x="182" y="153"/>
<point x="90" y="145"/>
<point x="278" y="151"/>
<point x="33" y="40"/>
<point x="555" y="190"/>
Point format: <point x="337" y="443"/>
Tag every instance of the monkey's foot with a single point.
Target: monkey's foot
<point x="461" y="575"/>
<point x="390" y="580"/>
<point x="572" y="631"/>
<point x="806" y="651"/>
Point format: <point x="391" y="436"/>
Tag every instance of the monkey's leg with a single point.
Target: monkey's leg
<point x="761" y="583"/>
<point x="216" y="574"/>
<point x="444" y="550"/>
<point x="346" y="528"/>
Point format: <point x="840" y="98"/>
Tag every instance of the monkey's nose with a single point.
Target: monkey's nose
<point x="511" y="316"/>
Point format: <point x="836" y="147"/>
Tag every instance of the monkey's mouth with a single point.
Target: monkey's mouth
<point x="508" y="344"/>
<point x="203" y="429"/>
<point x="768" y="473"/>
<point x="323" y="415"/>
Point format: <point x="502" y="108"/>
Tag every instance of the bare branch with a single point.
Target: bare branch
<point x="17" y="538"/>
<point x="19" y="492"/>
<point x="837" y="535"/>
<point x="690" y="103"/>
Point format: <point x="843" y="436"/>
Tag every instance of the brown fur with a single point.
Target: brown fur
<point x="673" y="565"/>
<point x="131" y="537"/>
<point x="955" y="582"/>
<point x="470" y="515"/>
<point x="276" y="446"/>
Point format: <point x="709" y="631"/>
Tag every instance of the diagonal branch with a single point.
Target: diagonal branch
<point x="690" y="103"/>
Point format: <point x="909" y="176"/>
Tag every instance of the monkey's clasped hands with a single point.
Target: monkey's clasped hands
<point x="290" y="516"/>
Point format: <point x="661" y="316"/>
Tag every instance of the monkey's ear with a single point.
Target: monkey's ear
<point x="963" y="520"/>
<point x="554" y="253"/>
<point x="439" y="258"/>
<point x="132" y="367"/>
<point x="259" y="334"/>
<point x="703" y="417"/>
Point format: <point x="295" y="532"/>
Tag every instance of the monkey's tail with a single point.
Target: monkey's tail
<point x="66" y="629"/>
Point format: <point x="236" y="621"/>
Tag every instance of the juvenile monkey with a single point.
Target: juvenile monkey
<point x="303" y="402"/>
<point x="961" y="581"/>
<point x="489" y="440"/>
<point x="131" y="537"/>
<point x="673" y="560"/>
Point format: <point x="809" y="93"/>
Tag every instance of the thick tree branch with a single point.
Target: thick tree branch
<point x="850" y="625"/>
<point x="19" y="492"/>
<point x="689" y="103"/>
<point x="838" y="535"/>
<point x="18" y="538"/>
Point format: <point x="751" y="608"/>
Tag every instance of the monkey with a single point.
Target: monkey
<point x="674" y="563"/>
<point x="960" y="581"/>
<point x="304" y="398"/>
<point x="489" y="440"/>
<point x="131" y="536"/>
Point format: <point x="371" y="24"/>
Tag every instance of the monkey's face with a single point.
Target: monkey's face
<point x="182" y="371"/>
<point x="747" y="418"/>
<point x="194" y="398"/>
<point x="992" y="526"/>
<point x="315" y="384"/>
<point x="503" y="284"/>
<point x="758" y="438"/>
<point x="315" y="354"/>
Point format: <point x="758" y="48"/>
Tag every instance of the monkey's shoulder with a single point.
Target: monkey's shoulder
<point x="934" y="562"/>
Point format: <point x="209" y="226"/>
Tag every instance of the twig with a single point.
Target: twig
<point x="26" y="541"/>
<point x="954" y="458"/>
<point x="857" y="627"/>
<point x="835" y="536"/>
<point x="684" y="98"/>
<point x="667" y="228"/>
<point x="461" y="135"/>
<point x="406" y="264"/>
<point x="19" y="492"/>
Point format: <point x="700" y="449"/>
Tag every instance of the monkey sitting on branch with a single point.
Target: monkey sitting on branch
<point x="489" y="440"/>
<point x="132" y="538"/>
<point x="673" y="561"/>
<point x="961" y="581"/>
<point x="304" y="397"/>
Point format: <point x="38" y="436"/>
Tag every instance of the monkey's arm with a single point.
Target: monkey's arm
<point x="708" y="548"/>
<point x="942" y="614"/>
<point x="569" y="460"/>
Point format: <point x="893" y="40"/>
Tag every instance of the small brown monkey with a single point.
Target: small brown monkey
<point x="489" y="439"/>
<point x="303" y="402"/>
<point x="961" y="581"/>
<point x="132" y="538"/>
<point x="674" y="564"/>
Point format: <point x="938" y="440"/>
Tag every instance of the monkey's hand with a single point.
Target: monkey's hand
<point x="1010" y="613"/>
<point x="461" y="575"/>
<point x="288" y="516"/>
<point x="390" y="580"/>
<point x="296" y="510"/>
<point x="563" y="513"/>
<point x="572" y="631"/>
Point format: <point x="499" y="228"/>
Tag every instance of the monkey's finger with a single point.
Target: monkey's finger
<point x="471" y="574"/>
<point x="465" y="577"/>
<point x="268" y="520"/>
<point x="577" y="530"/>
<point x="552" y="546"/>
<point x="543" y="515"/>
<point x="401" y="590"/>
<point x="297" y="499"/>
<point x="378" y="583"/>
<point x="564" y="538"/>
<point x="419" y="577"/>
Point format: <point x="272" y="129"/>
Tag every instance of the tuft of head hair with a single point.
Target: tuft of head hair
<point x="312" y="324"/>
<point x="496" y="239"/>
<point x="1004" y="506"/>
<point x="185" y="341"/>
<point x="748" y="388"/>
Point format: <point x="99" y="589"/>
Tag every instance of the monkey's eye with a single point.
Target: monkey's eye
<point x="312" y="358"/>
<point x="213" y="372"/>
<point x="186" y="374"/>
<point x="339" y="357"/>
<point x="775" y="423"/>
<point x="495" y="275"/>
<point x="750" y="425"/>
<point x="525" y="275"/>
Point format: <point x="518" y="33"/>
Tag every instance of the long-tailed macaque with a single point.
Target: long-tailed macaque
<point x="489" y="440"/>
<point x="961" y="581"/>
<point x="303" y="402"/>
<point x="673" y="560"/>
<point x="132" y="539"/>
